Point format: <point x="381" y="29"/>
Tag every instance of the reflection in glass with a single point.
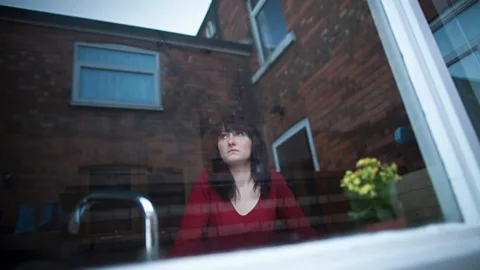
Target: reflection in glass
<point x="466" y="76"/>
<point x="253" y="3"/>
<point x="455" y="28"/>
<point x="328" y="102"/>
<point x="271" y="25"/>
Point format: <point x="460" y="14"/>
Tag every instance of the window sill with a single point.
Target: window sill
<point x="437" y="246"/>
<point x="117" y="105"/>
<point x="284" y="44"/>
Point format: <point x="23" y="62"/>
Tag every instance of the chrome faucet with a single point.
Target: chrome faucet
<point x="150" y="215"/>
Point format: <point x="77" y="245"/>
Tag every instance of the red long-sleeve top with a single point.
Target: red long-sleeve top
<point x="210" y="224"/>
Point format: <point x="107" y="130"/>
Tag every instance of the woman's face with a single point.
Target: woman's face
<point x="235" y="147"/>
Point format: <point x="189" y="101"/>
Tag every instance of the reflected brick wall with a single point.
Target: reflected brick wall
<point x="234" y="20"/>
<point x="234" y="24"/>
<point x="336" y="74"/>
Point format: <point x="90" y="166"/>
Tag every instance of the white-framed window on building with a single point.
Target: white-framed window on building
<point x="269" y="28"/>
<point x="211" y="30"/>
<point x="112" y="75"/>
<point x="298" y="137"/>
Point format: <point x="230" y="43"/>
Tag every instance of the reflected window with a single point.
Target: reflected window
<point x="211" y="30"/>
<point x="110" y="75"/>
<point x="270" y="25"/>
<point x="456" y="31"/>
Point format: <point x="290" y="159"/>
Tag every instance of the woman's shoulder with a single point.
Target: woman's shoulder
<point x="206" y="177"/>
<point x="202" y="183"/>
<point x="204" y="172"/>
<point x="274" y="173"/>
<point x="276" y="176"/>
<point x="203" y="176"/>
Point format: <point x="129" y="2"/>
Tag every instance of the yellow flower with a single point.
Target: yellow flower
<point x="369" y="177"/>
<point x="368" y="162"/>
<point x="356" y="181"/>
<point x="365" y="189"/>
<point x="360" y="163"/>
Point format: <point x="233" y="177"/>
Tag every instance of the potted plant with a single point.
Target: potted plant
<point x="372" y="192"/>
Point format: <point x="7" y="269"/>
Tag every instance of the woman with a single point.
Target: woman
<point x="235" y="206"/>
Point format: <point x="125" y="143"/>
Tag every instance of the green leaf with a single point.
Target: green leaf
<point x="384" y="214"/>
<point x="360" y="215"/>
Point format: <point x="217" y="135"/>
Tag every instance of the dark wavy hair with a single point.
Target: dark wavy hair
<point x="221" y="177"/>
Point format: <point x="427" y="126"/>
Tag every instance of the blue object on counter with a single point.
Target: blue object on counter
<point x="26" y="220"/>
<point x="50" y="216"/>
<point x="405" y="135"/>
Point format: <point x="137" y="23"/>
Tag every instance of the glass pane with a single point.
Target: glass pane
<point x="452" y="34"/>
<point x="93" y="55"/>
<point x="109" y="85"/>
<point x="75" y="180"/>
<point x="466" y="76"/>
<point x="271" y="26"/>
<point x="455" y="28"/>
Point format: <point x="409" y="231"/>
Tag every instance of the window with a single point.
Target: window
<point x="211" y="30"/>
<point x="299" y="129"/>
<point x="270" y="28"/>
<point x="109" y="75"/>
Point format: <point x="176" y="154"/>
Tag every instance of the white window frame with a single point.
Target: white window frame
<point x="78" y="65"/>
<point x="303" y="124"/>
<point x="447" y="119"/>
<point x="265" y="63"/>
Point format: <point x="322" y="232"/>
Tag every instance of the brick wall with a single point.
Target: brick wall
<point x="336" y="74"/>
<point x="234" y="24"/>
<point x="234" y="21"/>
<point x="45" y="140"/>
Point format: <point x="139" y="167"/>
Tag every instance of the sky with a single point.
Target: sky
<point x="179" y="16"/>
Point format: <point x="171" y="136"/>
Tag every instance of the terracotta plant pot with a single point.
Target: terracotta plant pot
<point x="396" y="224"/>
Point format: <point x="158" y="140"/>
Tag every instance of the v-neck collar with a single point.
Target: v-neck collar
<point x="251" y="210"/>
